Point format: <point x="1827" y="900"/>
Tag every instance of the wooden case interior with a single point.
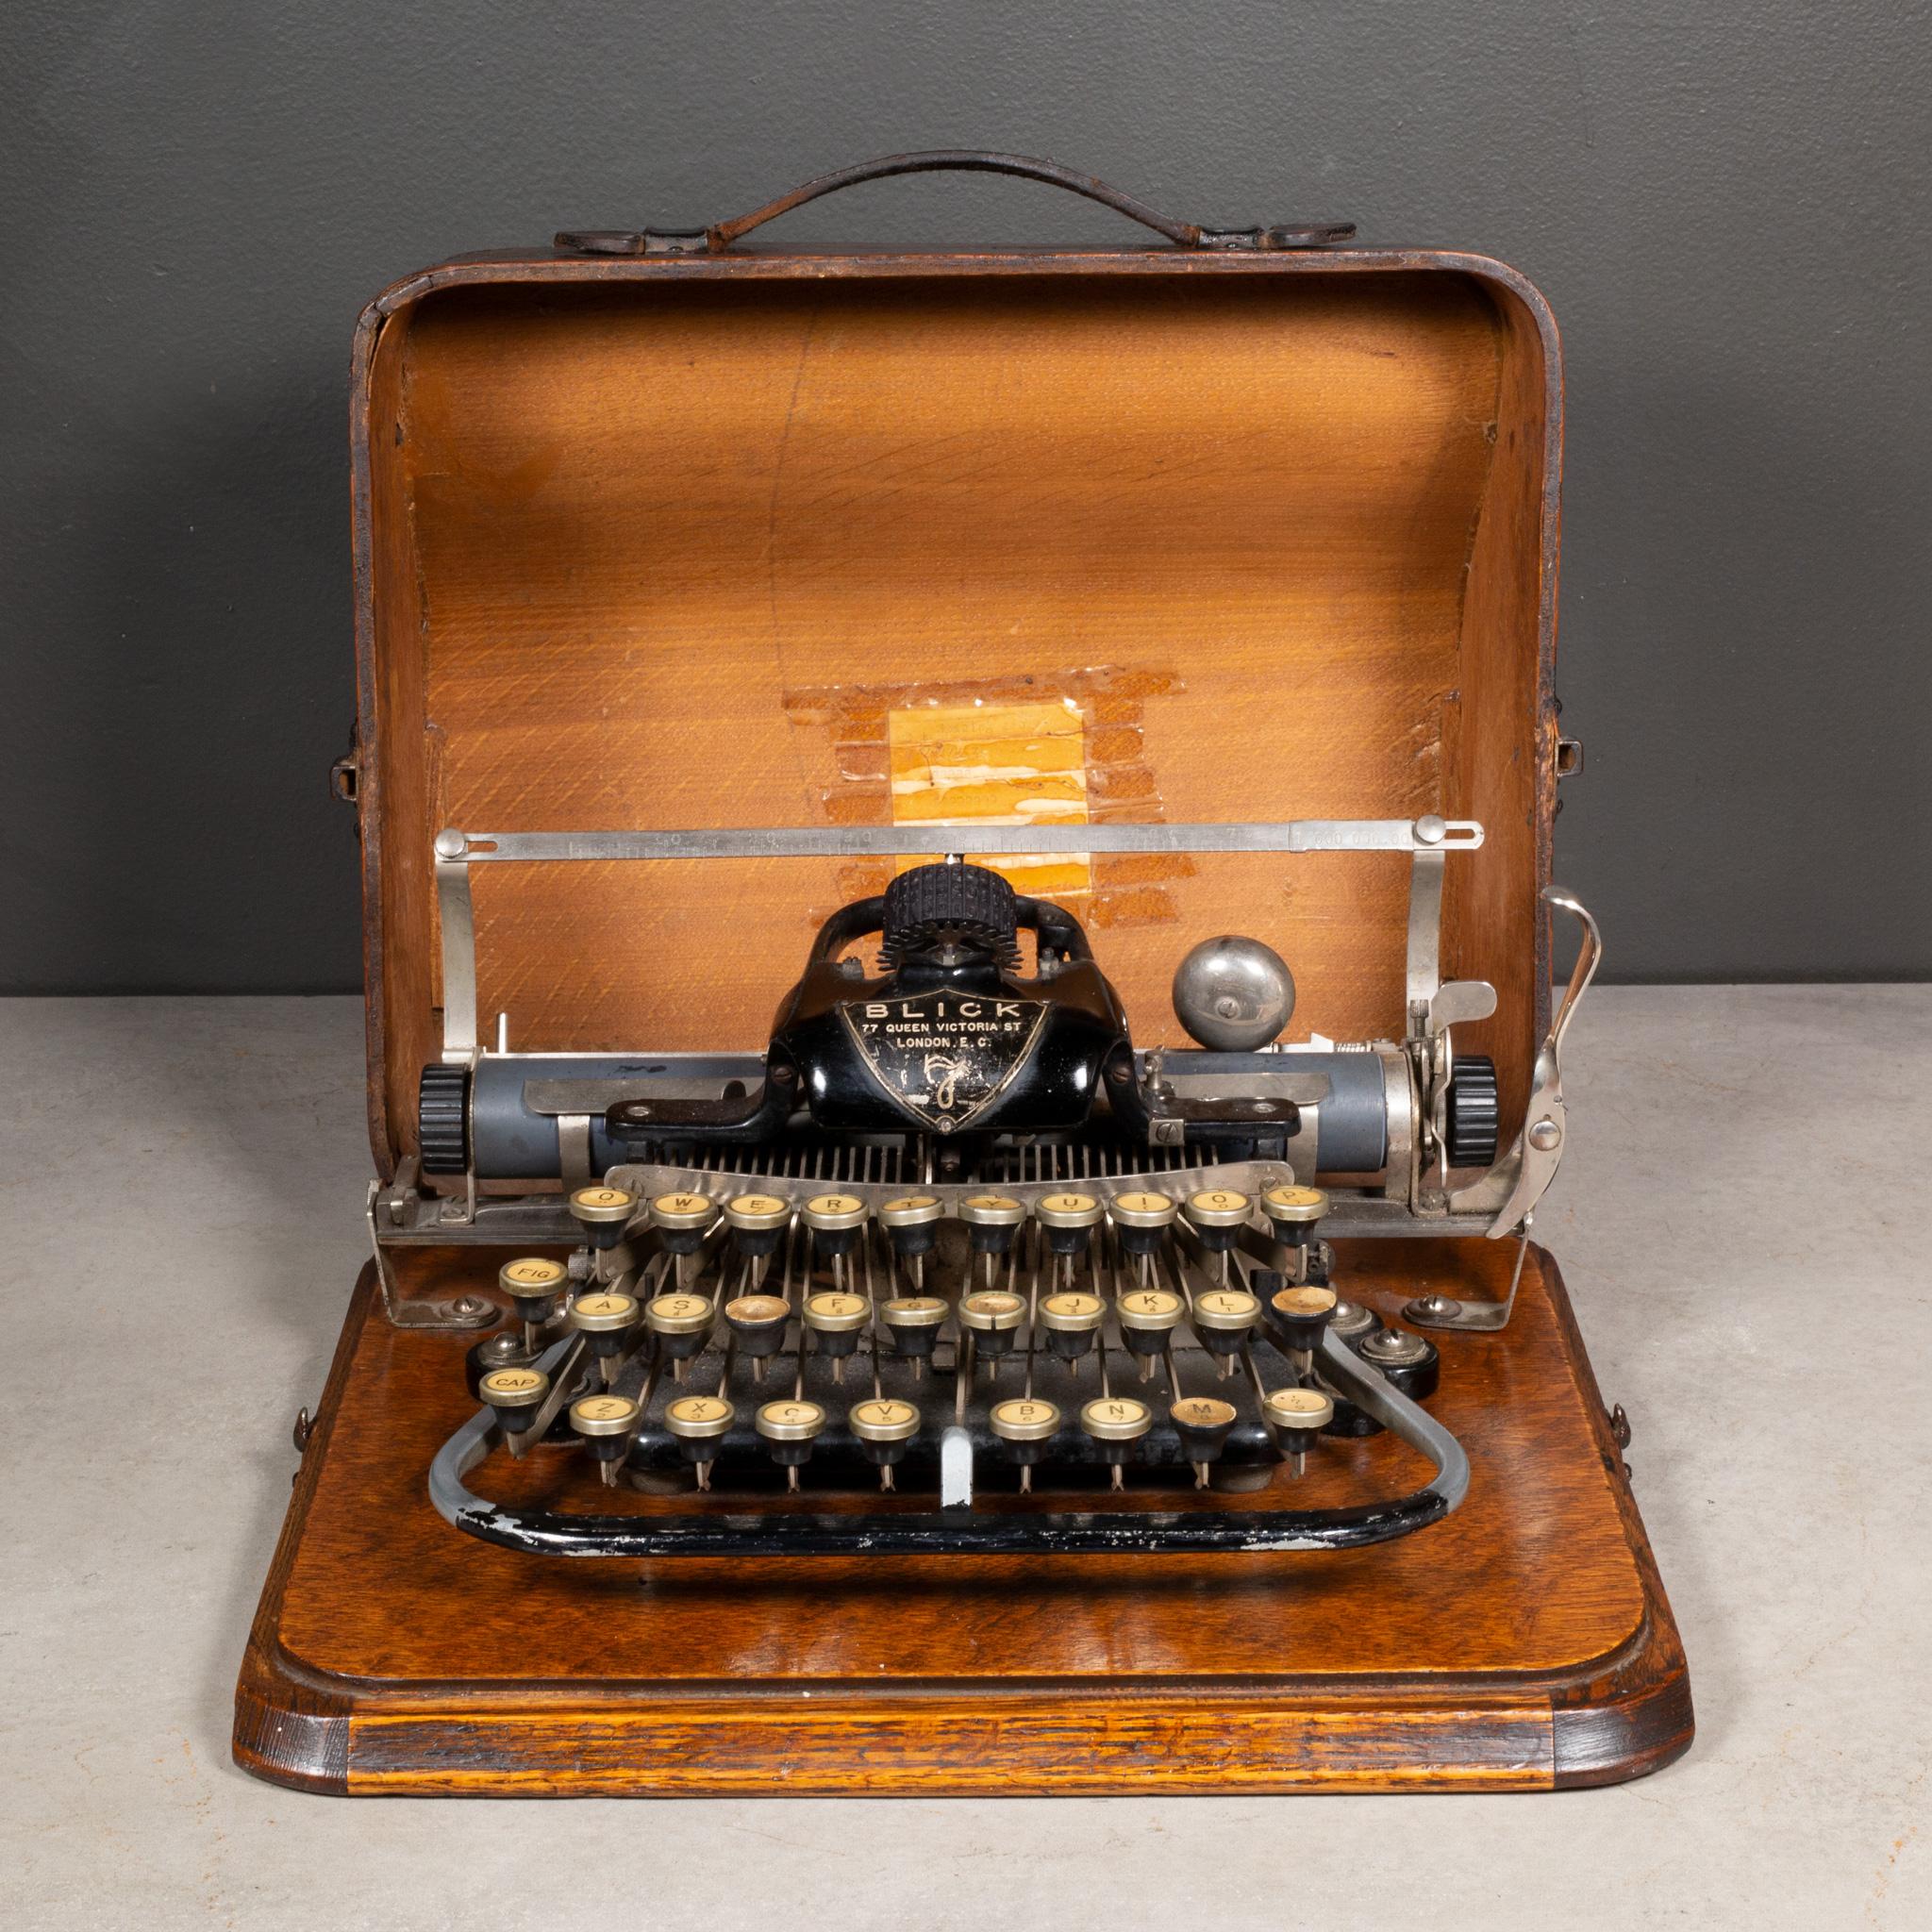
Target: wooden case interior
<point x="654" y="550"/>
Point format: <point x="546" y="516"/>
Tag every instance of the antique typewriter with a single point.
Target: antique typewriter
<point x="953" y="1266"/>
<point x="944" y="1368"/>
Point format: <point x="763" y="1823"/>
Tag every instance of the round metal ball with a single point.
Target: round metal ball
<point x="1233" y="994"/>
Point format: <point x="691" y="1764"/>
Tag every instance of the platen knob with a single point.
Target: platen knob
<point x="968" y="906"/>
<point x="1233" y="994"/>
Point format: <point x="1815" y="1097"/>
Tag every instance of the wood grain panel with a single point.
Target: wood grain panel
<point x="1448" y="1659"/>
<point x="622" y="518"/>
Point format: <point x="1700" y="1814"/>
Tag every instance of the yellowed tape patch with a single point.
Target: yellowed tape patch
<point x="993" y="764"/>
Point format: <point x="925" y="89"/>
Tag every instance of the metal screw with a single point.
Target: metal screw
<point x="1545" y="1135"/>
<point x="1431" y="829"/>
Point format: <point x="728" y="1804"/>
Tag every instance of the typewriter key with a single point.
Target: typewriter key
<point x="1148" y="1317"/>
<point x="1299" y="1316"/>
<point x="1293" y="1212"/>
<point x="835" y="1319"/>
<point x="682" y="1324"/>
<point x="1202" y="1423"/>
<point x="698" y="1422"/>
<point x="1069" y="1220"/>
<point x="835" y="1220"/>
<point x="913" y="1322"/>
<point x="758" y="1324"/>
<point x="605" y="1320"/>
<point x="1218" y="1215"/>
<point x="790" y="1426"/>
<point x="911" y="1223"/>
<point x="991" y="1221"/>
<point x="682" y="1219"/>
<point x="1071" y="1322"/>
<point x="514" y="1395"/>
<point x="1297" y="1416"/>
<point x="1141" y="1220"/>
<point x="605" y="1424"/>
<point x="534" y="1283"/>
<point x="1116" y="1423"/>
<point x="1025" y="1427"/>
<point x="883" y="1428"/>
<point x="991" y="1317"/>
<point x="1225" y="1319"/>
<point x="603" y="1214"/>
<point x="756" y="1223"/>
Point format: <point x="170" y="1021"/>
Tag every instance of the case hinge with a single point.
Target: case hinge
<point x="1568" y="756"/>
<point x="344" y="775"/>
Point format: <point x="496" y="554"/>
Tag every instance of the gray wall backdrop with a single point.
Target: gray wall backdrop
<point x="1725" y="201"/>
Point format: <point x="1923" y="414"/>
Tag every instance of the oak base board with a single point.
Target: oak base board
<point x="1525" y="1643"/>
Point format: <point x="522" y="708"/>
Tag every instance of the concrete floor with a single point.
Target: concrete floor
<point x="182" y="1223"/>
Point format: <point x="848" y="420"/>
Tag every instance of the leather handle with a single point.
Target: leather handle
<point x="720" y="235"/>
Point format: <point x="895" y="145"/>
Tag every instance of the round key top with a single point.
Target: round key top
<point x="1225" y="1319"/>
<point x="604" y="1424"/>
<point x="534" y="1283"/>
<point x="911" y="1223"/>
<point x="883" y="1428"/>
<point x="1148" y="1316"/>
<point x="1297" y="1417"/>
<point x="698" y="1422"/>
<point x="913" y="1322"/>
<point x="790" y="1426"/>
<point x="682" y="1324"/>
<point x="603" y="1214"/>
<point x="756" y="1223"/>
<point x="1025" y="1426"/>
<point x="1293" y="1212"/>
<point x="1069" y="1219"/>
<point x="835" y="1220"/>
<point x="1071" y="1320"/>
<point x="1300" y="1316"/>
<point x="1202" y="1423"/>
<point x="1218" y="1208"/>
<point x="681" y="1220"/>
<point x="757" y="1323"/>
<point x="992" y="1316"/>
<point x="992" y="1222"/>
<point x="835" y="1321"/>
<point x="1141" y="1219"/>
<point x="605" y="1317"/>
<point x="1115" y="1424"/>
<point x="513" y="1396"/>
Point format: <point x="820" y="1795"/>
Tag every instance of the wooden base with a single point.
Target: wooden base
<point x="1523" y="1645"/>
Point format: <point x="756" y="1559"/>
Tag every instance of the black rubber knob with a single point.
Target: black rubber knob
<point x="1474" y="1111"/>
<point x="442" y="1119"/>
<point x="955" y="905"/>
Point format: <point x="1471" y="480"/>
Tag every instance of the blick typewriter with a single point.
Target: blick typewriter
<point x="953" y="1237"/>
<point x="955" y="1165"/>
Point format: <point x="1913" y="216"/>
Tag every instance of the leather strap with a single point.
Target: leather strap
<point x="720" y="235"/>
